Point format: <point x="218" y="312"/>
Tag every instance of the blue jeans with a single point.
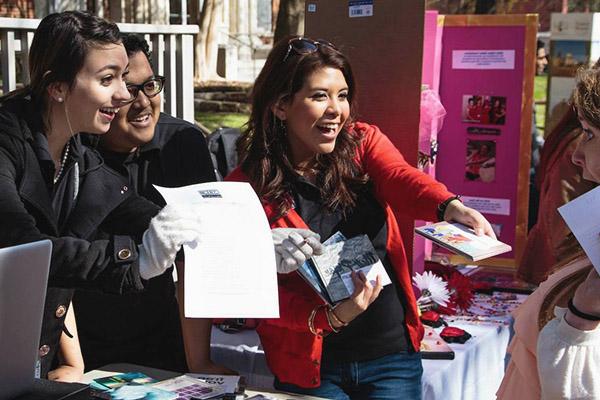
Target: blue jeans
<point x="397" y="376"/>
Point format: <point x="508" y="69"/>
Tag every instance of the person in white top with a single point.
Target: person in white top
<point x="569" y="345"/>
<point x="555" y="352"/>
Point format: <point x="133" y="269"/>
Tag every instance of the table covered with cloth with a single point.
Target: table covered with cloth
<point x="475" y="372"/>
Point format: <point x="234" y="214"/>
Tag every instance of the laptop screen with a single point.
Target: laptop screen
<point x="23" y="279"/>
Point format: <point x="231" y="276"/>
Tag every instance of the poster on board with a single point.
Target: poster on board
<point x="484" y="146"/>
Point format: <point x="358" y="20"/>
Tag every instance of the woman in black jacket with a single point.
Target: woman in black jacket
<point x="52" y="187"/>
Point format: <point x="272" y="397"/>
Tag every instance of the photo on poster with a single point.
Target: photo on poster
<point x="487" y="110"/>
<point x="497" y="228"/>
<point x="480" y="163"/>
<point x="567" y="56"/>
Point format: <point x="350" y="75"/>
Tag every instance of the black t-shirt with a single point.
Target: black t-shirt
<point x="380" y="330"/>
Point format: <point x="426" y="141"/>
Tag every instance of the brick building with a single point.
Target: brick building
<point x="17" y="8"/>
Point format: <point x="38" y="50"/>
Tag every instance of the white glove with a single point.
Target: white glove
<point x="293" y="247"/>
<point x="168" y="231"/>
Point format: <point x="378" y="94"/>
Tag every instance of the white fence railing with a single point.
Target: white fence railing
<point x="172" y="56"/>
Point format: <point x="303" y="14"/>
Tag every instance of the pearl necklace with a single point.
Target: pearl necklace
<point x="62" y="162"/>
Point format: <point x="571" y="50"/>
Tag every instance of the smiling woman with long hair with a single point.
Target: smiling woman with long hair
<point x="52" y="187"/>
<point x="318" y="171"/>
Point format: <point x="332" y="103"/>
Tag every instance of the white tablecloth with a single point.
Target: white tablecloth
<point x="477" y="368"/>
<point x="475" y="373"/>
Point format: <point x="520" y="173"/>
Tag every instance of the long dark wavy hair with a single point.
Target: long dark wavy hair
<point x="60" y="45"/>
<point x="263" y="147"/>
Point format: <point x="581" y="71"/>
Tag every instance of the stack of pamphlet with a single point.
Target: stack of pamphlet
<point x="202" y="386"/>
<point x="136" y="385"/>
<point x="329" y="274"/>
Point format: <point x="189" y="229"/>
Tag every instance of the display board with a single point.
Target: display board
<point x="574" y="43"/>
<point x="384" y="42"/>
<point x="486" y="86"/>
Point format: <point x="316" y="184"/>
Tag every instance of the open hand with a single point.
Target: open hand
<point x="364" y="294"/>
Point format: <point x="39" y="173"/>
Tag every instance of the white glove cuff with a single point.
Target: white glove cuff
<point x="148" y="268"/>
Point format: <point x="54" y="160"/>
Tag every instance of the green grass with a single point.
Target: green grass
<point x="539" y="87"/>
<point x="539" y="95"/>
<point x="214" y="120"/>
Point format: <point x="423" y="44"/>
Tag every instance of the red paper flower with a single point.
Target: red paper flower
<point x="460" y="287"/>
<point x="461" y="290"/>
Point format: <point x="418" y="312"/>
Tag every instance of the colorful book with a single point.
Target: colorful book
<point x="134" y="392"/>
<point x="329" y="274"/>
<point x="461" y="240"/>
<point x="129" y="386"/>
<point x="188" y="388"/>
<point x="118" y="380"/>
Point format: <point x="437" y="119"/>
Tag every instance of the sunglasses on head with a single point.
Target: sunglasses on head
<point x="304" y="46"/>
<point x="151" y="88"/>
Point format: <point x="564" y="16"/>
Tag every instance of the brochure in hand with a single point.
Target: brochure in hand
<point x="329" y="274"/>
<point x="461" y="240"/>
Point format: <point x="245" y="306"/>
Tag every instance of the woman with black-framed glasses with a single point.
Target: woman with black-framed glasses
<point x="318" y="171"/>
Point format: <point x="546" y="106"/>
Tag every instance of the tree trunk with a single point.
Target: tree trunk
<point x="290" y="19"/>
<point x="206" y="44"/>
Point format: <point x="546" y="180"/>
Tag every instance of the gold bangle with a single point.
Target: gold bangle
<point x="328" y="313"/>
<point x="336" y="318"/>
<point x="311" y="321"/>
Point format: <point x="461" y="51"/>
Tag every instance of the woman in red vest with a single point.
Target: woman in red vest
<point x="319" y="171"/>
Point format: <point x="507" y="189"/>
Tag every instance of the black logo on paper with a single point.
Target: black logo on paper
<point x="210" y="194"/>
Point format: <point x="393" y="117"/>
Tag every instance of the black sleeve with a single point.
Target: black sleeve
<point x="75" y="263"/>
<point x="131" y="217"/>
